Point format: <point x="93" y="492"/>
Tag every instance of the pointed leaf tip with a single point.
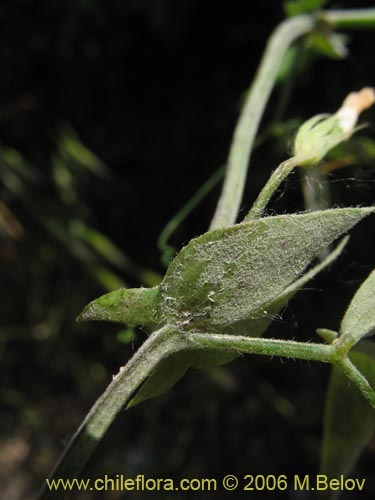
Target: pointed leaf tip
<point x="228" y="275"/>
<point x="130" y="306"/>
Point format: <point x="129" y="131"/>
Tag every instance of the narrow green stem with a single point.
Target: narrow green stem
<point x="167" y="250"/>
<point x="277" y="177"/>
<point x="157" y="347"/>
<point x="267" y="347"/>
<point x="349" y="19"/>
<point x="286" y="349"/>
<point x="284" y="35"/>
<point x="343" y="345"/>
<point x="358" y="379"/>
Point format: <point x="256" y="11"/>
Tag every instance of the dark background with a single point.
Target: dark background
<point x="153" y="88"/>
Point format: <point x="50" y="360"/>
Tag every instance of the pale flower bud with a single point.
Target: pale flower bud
<point x="323" y="132"/>
<point x="354" y="104"/>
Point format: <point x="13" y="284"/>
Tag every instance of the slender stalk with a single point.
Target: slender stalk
<point x="285" y="349"/>
<point x="277" y="177"/>
<point x="284" y="35"/>
<point x="167" y="341"/>
<point x="267" y="347"/>
<point x="244" y="135"/>
<point x="358" y="379"/>
<point x="167" y="250"/>
<point x="157" y="347"/>
<point x="349" y="19"/>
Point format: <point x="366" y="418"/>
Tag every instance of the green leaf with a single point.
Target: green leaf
<point x="227" y="276"/>
<point x="129" y="306"/>
<point x="256" y="328"/>
<point x="349" y="421"/>
<point x="288" y="63"/>
<point x="173" y="368"/>
<point x="331" y="45"/>
<point x="296" y="7"/>
<point x="328" y="335"/>
<point x="359" y="319"/>
<point x="252" y="270"/>
<point x="167" y="373"/>
<point x="366" y="347"/>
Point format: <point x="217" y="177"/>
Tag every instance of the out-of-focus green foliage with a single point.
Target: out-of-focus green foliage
<point x="52" y="258"/>
<point x="333" y="45"/>
<point x="231" y="280"/>
<point x="349" y="421"/>
<point x="295" y="7"/>
<point x="92" y="64"/>
<point x="63" y="215"/>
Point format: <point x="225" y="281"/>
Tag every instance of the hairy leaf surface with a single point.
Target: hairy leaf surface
<point x="129" y="306"/>
<point x="227" y="276"/>
<point x="359" y="319"/>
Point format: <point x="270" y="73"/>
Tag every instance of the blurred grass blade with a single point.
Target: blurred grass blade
<point x="165" y="248"/>
<point x="107" y="278"/>
<point x="111" y="253"/>
<point x="12" y="160"/>
<point x="73" y="150"/>
<point x="296" y="7"/>
<point x="101" y="244"/>
<point x="9" y="224"/>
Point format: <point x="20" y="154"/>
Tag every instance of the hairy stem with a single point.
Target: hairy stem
<point x="277" y="177"/>
<point x="167" y="250"/>
<point x="286" y="349"/>
<point x="167" y="341"/>
<point x="244" y="135"/>
<point x="358" y="379"/>
<point x="158" y="346"/>
<point x="267" y="347"/>
<point x="251" y="114"/>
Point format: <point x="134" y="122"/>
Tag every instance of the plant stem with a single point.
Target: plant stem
<point x="248" y="123"/>
<point x="158" y="346"/>
<point x="285" y="349"/>
<point x="267" y="347"/>
<point x="277" y="177"/>
<point x="244" y="135"/>
<point x="349" y="19"/>
<point x="168" y="251"/>
<point x="358" y="379"/>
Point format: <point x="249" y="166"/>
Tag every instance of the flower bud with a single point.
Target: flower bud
<point x="323" y="132"/>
